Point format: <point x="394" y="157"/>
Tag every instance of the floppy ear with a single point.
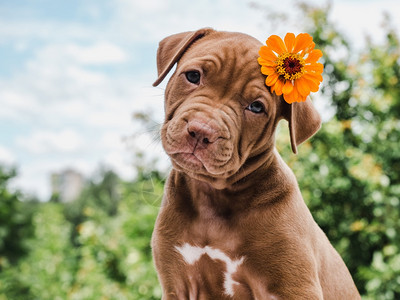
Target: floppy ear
<point x="304" y="121"/>
<point x="171" y="49"/>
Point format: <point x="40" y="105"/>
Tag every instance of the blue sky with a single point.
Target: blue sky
<point x="73" y="72"/>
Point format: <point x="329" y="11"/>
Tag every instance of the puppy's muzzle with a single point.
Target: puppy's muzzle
<point x="201" y="134"/>
<point x="199" y="142"/>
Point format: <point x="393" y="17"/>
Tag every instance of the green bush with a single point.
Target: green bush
<point x="106" y="256"/>
<point x="349" y="172"/>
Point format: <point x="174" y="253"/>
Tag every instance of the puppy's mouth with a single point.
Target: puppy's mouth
<point x="184" y="159"/>
<point x="192" y="163"/>
<point x="210" y="160"/>
<point x="199" y="145"/>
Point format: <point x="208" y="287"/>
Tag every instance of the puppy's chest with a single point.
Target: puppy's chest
<point x="215" y="264"/>
<point x="212" y="267"/>
<point x="210" y="230"/>
<point x="211" y="250"/>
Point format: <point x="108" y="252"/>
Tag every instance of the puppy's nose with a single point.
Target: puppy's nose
<point x="201" y="132"/>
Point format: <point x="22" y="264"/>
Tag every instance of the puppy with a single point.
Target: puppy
<point x="233" y="223"/>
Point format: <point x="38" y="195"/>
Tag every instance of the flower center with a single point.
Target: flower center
<point x="290" y="66"/>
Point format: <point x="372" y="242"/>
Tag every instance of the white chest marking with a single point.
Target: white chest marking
<point x="192" y="254"/>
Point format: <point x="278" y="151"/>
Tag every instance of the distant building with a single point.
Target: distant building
<point x="67" y="185"/>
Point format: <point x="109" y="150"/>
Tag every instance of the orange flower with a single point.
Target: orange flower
<point x="291" y="66"/>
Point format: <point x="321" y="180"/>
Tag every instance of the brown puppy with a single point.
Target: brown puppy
<point x="233" y="223"/>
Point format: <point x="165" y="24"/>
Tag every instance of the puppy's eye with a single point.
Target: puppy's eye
<point x="193" y="76"/>
<point x="256" y="107"/>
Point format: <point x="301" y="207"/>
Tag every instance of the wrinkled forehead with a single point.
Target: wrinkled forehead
<point x="226" y="57"/>
<point x="232" y="53"/>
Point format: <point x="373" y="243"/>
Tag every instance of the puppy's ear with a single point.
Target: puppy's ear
<point x="171" y="49"/>
<point x="304" y="121"/>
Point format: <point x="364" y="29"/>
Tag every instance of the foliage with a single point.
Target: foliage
<point x="15" y="220"/>
<point x="103" y="191"/>
<point x="98" y="247"/>
<point x="106" y="256"/>
<point x="48" y="271"/>
<point x="349" y="172"/>
<point x="382" y="136"/>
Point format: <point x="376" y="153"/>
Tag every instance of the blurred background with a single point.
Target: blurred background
<point x="81" y="165"/>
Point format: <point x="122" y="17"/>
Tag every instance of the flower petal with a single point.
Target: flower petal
<point x="267" y="54"/>
<point x="273" y="88"/>
<point x="297" y="97"/>
<point x="303" y="41"/>
<point x="276" y="44"/>
<point x="278" y="87"/>
<point x="266" y="70"/>
<point x="290" y="39"/>
<point x="313" y="84"/>
<point x="267" y="63"/>
<point x="301" y="98"/>
<point x="316" y="67"/>
<point x="302" y="86"/>
<point x="313" y="56"/>
<point x="295" y="93"/>
<point x="264" y="62"/>
<point x="314" y="76"/>
<point x="290" y="98"/>
<point x="310" y="47"/>
<point x="271" y="79"/>
<point x="288" y="87"/>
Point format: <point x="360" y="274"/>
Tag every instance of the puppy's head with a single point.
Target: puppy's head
<point x="220" y="117"/>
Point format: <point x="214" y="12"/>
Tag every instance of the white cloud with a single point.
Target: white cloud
<point x="112" y="140"/>
<point x="150" y="6"/>
<point x="6" y="156"/>
<point x="118" y="118"/>
<point x="121" y="163"/>
<point x="67" y="63"/>
<point x="57" y="85"/>
<point x="40" y="142"/>
<point x="44" y="30"/>
<point x="16" y="103"/>
<point x="90" y="108"/>
<point x="358" y="19"/>
<point x="99" y="53"/>
<point x="84" y="77"/>
<point x="152" y="20"/>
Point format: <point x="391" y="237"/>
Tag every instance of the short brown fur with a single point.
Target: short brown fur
<point x="229" y="189"/>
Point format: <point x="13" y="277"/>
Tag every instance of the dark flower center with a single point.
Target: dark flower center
<point x="292" y="65"/>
